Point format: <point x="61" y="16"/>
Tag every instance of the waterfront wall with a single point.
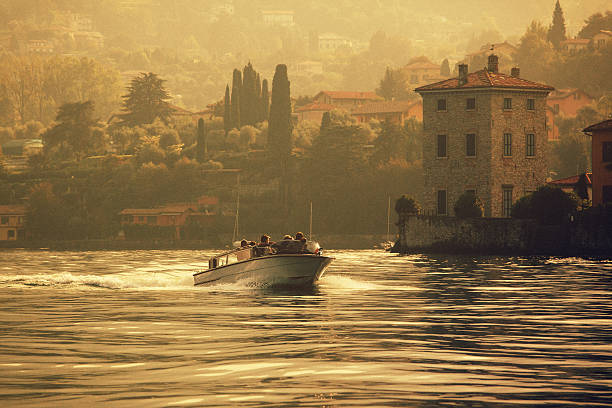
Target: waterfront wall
<point x="578" y="236"/>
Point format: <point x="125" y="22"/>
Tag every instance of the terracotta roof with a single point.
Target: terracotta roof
<point x="605" y="125"/>
<point x="349" y="95"/>
<point x="485" y="79"/>
<point x="607" y="32"/>
<point x="16" y="209"/>
<point x="565" y="93"/>
<point x="315" y="107"/>
<point x="573" y="180"/>
<point x="384" y="107"/>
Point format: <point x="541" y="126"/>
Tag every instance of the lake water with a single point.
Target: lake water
<point x="128" y="329"/>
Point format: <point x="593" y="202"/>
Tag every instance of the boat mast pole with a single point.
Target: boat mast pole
<point x="235" y="234"/>
<point x="310" y="223"/>
<point x="388" y="216"/>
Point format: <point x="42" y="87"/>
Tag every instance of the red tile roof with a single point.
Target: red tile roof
<point x="573" y="180"/>
<point x="384" y="107"/>
<point x="349" y="95"/>
<point x="485" y="79"/>
<point x="315" y="107"/>
<point x="605" y="125"/>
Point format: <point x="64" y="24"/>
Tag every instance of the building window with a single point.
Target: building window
<point x="4" y="219"/>
<point x="470" y="144"/>
<point x="606" y="194"/>
<point x="11" y="234"/>
<point x="530" y="104"/>
<point x="507" y="103"/>
<point x="556" y="108"/>
<point x="506" y="201"/>
<point x="507" y="144"/>
<point x="606" y="150"/>
<point x="441" y="145"/>
<point x="530" y="145"/>
<point x="441" y="104"/>
<point x="470" y="103"/>
<point x="441" y="202"/>
<point x="151" y="219"/>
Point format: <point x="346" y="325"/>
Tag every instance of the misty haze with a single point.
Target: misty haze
<point x="281" y="203"/>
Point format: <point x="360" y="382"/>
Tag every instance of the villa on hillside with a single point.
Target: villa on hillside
<point x="394" y="111"/>
<point x="345" y="99"/>
<point x="485" y="134"/>
<point x="565" y="102"/>
<point x="601" y="143"/>
<point x="421" y="70"/>
<point x="12" y="222"/>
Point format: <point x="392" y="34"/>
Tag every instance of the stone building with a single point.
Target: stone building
<point x="485" y="133"/>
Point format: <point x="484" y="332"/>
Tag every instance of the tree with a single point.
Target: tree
<point x="535" y="54"/>
<point x="75" y="129"/>
<point x="468" y="205"/>
<point x="280" y="128"/>
<point x="556" y="32"/>
<point x="227" y="111"/>
<point x="595" y="23"/>
<point x="265" y="100"/>
<point x="146" y="101"/>
<point x="46" y="217"/>
<point x="393" y="85"/>
<point x="236" y="118"/>
<point x="547" y="205"/>
<point x="390" y="144"/>
<point x="202" y="148"/>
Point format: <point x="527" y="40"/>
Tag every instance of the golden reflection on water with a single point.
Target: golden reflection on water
<point x="129" y="328"/>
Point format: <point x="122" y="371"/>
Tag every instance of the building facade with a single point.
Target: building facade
<point x="12" y="222"/>
<point x="485" y="133"/>
<point x="393" y="111"/>
<point x="346" y="100"/>
<point x="601" y="134"/>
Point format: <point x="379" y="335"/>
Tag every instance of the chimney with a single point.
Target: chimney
<point x="515" y="72"/>
<point x="493" y="63"/>
<point x="463" y="72"/>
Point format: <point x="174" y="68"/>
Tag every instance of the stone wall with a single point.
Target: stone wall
<point x="581" y="235"/>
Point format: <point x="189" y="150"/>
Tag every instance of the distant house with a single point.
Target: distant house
<point x="40" y="47"/>
<point x="394" y="111"/>
<point x="568" y="101"/>
<point x="313" y="111"/>
<point x="88" y="40"/>
<point x="602" y="38"/>
<point x="575" y="45"/>
<point x="601" y="146"/>
<point x="565" y="102"/>
<point x="309" y="67"/>
<point x="420" y="71"/>
<point x="12" y="222"/>
<point x="330" y="42"/>
<point x="581" y="185"/>
<point x="345" y="99"/>
<point x="174" y="215"/>
<point x="278" y="17"/>
<point x="17" y="152"/>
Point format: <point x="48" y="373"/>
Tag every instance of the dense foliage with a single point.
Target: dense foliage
<point x="468" y="205"/>
<point x="547" y="205"/>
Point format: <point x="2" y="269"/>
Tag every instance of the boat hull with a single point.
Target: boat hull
<point x="294" y="270"/>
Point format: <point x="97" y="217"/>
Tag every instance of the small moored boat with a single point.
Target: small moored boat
<point x="288" y="263"/>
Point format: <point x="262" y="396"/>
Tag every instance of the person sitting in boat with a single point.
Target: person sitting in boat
<point x="265" y="246"/>
<point x="244" y="243"/>
<point x="299" y="236"/>
<point x="287" y="238"/>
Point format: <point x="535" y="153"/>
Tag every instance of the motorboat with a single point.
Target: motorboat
<point x="289" y="263"/>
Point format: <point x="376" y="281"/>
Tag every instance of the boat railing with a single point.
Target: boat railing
<point x="230" y="257"/>
<point x="246" y="253"/>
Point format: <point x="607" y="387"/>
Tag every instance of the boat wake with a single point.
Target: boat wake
<point x="69" y="280"/>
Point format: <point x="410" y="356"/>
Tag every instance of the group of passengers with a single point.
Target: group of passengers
<point x="288" y="245"/>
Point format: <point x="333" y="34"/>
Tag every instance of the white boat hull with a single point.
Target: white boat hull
<point x="266" y="271"/>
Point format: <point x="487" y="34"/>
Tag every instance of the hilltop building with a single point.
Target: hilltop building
<point x="602" y="39"/>
<point x="564" y="102"/>
<point x="601" y="134"/>
<point x="283" y="18"/>
<point x="394" y="111"/>
<point x="420" y="71"/>
<point x="485" y="133"/>
<point x="345" y="99"/>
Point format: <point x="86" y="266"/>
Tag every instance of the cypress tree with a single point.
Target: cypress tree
<point x="265" y="100"/>
<point x="280" y="128"/>
<point x="235" y="114"/>
<point x="257" y="101"/>
<point x="201" y="148"/>
<point x="236" y="96"/>
<point x="445" y="68"/>
<point x="227" y="109"/>
<point x="556" y="32"/>
<point x="325" y="122"/>
<point x="248" y="108"/>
